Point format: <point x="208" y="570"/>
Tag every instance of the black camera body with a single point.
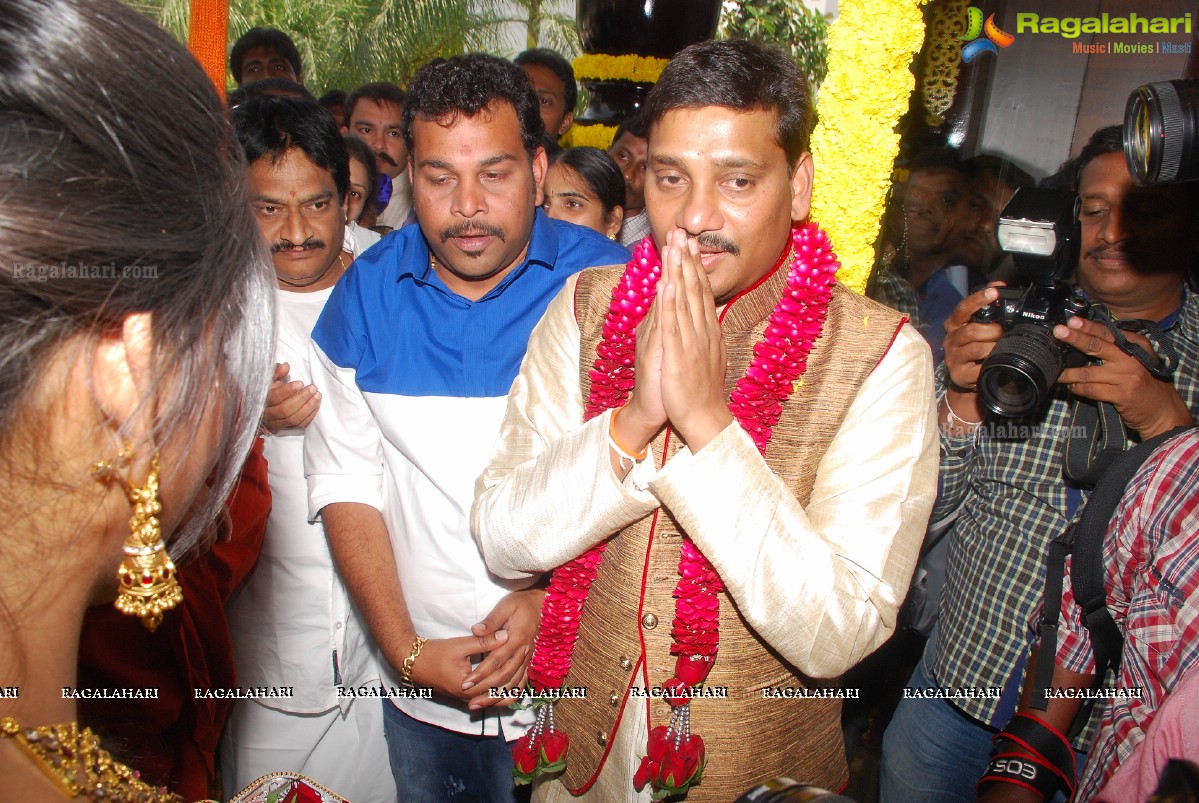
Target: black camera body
<point x="1039" y="228"/>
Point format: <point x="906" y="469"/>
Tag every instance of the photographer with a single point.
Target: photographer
<point x="1009" y="494"/>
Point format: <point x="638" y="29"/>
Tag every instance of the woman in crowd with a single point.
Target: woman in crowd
<point x="134" y="356"/>
<point x="583" y="185"/>
<point x="364" y="186"/>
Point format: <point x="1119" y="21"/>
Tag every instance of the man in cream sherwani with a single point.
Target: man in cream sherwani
<point x="814" y="539"/>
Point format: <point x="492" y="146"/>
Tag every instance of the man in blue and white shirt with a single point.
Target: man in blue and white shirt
<point x="415" y="353"/>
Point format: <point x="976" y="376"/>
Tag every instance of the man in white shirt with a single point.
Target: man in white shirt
<point x="414" y="354"/>
<point x="291" y="623"/>
<point x="808" y="491"/>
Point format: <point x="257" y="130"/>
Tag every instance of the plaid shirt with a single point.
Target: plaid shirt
<point x="1005" y="485"/>
<point x="1151" y="557"/>
<point x="897" y="293"/>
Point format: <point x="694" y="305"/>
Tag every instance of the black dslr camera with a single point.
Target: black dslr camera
<point x="1039" y="228"/>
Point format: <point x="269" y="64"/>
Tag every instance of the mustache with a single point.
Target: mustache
<point x="1104" y="251"/>
<point x="307" y="245"/>
<point x="471" y="228"/>
<point x="380" y="155"/>
<point x="710" y="239"/>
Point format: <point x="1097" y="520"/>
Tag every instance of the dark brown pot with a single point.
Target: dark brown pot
<point x="658" y="28"/>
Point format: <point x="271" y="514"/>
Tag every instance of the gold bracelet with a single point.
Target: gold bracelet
<point x="410" y="661"/>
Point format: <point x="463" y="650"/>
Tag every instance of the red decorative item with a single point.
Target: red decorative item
<point x="525" y="755"/>
<point x="553" y="747"/>
<point x="646" y="773"/>
<point x="301" y="792"/>
<point x="676" y="756"/>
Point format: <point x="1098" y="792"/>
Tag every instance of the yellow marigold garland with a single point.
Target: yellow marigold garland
<point x="871" y="46"/>
<point x="604" y="67"/>
<point x="597" y="135"/>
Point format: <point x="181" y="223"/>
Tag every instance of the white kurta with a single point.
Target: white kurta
<point x="292" y="624"/>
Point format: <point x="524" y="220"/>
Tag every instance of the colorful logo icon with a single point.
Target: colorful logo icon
<point x="995" y="37"/>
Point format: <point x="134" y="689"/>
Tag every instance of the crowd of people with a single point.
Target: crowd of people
<point x="529" y="464"/>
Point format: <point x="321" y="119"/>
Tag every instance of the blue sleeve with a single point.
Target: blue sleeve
<point x="341" y="330"/>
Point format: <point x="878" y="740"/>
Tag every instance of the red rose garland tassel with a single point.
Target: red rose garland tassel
<point x="675" y="758"/>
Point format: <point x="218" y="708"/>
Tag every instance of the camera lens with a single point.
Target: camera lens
<point x="1019" y="371"/>
<point x="1161" y="132"/>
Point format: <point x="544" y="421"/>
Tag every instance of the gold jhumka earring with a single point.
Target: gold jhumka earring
<point x="147" y="585"/>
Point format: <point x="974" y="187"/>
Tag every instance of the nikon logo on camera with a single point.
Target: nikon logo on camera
<point x="1073" y="27"/>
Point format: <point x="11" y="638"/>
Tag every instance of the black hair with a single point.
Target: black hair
<point x="1004" y="170"/>
<point x="740" y="75"/>
<point x="600" y="172"/>
<point x="937" y="159"/>
<point x="635" y="125"/>
<point x="356" y="148"/>
<point x="272" y="38"/>
<point x="93" y="182"/>
<point x="332" y="98"/>
<point x="1108" y="139"/>
<point x="465" y="85"/>
<point x="275" y="87"/>
<point x="378" y="91"/>
<point x="270" y="126"/>
<point x="553" y="61"/>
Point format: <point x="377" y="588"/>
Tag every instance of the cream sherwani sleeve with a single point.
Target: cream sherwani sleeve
<point x="549" y="493"/>
<point x="821" y="584"/>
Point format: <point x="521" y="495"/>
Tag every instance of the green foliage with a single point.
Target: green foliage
<point x="801" y="30"/>
<point x="344" y="43"/>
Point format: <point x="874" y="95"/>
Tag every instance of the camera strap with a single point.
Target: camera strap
<point x="1084" y="539"/>
<point x="1101" y="434"/>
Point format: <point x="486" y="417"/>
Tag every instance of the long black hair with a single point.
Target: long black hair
<point x="108" y="212"/>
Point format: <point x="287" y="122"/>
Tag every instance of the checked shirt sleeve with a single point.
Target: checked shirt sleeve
<point x="957" y="455"/>
<point x="1125" y="549"/>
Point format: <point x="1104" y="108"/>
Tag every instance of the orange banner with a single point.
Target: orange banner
<point x="207" y="38"/>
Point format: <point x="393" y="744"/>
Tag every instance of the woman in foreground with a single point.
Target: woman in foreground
<point x="134" y="354"/>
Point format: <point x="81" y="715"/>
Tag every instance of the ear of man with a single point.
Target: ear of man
<point x="801" y="187"/>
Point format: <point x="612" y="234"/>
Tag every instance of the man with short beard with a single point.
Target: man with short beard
<point x="414" y="355"/>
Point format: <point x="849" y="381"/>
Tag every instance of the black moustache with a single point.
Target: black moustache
<point x="472" y="230"/>
<point x="307" y="245"/>
<point x="710" y="240"/>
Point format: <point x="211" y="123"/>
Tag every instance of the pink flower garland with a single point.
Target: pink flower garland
<point x="676" y="757"/>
